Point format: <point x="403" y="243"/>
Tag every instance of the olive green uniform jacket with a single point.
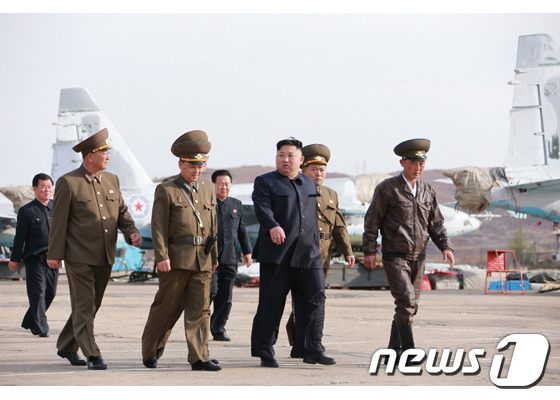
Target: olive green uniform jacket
<point x="86" y="218"/>
<point x="331" y="220"/>
<point x="172" y="216"/>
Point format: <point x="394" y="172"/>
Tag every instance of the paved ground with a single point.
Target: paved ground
<point x="358" y="323"/>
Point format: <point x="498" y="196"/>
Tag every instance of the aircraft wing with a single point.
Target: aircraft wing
<point x="8" y="220"/>
<point x="547" y="186"/>
<point x="7" y="229"/>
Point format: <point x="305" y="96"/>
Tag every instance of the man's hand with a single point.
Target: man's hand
<point x="13" y="265"/>
<point x="136" y="239"/>
<point x="277" y="235"/>
<point x="164" y="266"/>
<point x="54" y="264"/>
<point x="214" y="269"/>
<point x="351" y="261"/>
<point x="369" y="261"/>
<point x="448" y="255"/>
<point x="248" y="259"/>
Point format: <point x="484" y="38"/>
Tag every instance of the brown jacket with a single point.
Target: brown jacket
<point x="86" y="218"/>
<point x="173" y="217"/>
<point x="331" y="220"/>
<point x="406" y="222"/>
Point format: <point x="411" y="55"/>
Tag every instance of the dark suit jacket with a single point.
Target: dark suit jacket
<point x="231" y="228"/>
<point x="32" y="231"/>
<point x="292" y="205"/>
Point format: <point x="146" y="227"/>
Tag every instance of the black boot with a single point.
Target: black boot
<point x="394" y="343"/>
<point x="290" y="328"/>
<point x="407" y="341"/>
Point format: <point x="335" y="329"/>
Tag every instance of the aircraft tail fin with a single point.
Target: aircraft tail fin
<point x="535" y="115"/>
<point x="80" y="117"/>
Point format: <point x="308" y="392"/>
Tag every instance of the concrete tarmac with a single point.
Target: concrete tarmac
<point x="357" y="324"/>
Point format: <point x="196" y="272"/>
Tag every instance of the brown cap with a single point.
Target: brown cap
<point x="413" y="149"/>
<point x="93" y="143"/>
<point x="192" y="146"/>
<point x="315" y="153"/>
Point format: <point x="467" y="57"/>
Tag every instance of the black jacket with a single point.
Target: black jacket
<point x="292" y="205"/>
<point x="231" y="229"/>
<point x="32" y="231"/>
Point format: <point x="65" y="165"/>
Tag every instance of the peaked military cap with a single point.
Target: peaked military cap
<point x="316" y="153"/>
<point x="94" y="143"/>
<point x="192" y="146"/>
<point x="413" y="149"/>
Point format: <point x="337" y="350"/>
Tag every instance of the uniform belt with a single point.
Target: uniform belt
<point x="325" y="235"/>
<point x="421" y="257"/>
<point x="196" y="240"/>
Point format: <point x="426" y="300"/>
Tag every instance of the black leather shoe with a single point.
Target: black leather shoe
<point x="319" y="358"/>
<point x="73" y="357"/>
<point x="150" y="362"/>
<point x="269" y="363"/>
<point x="159" y="352"/>
<point x="46" y="334"/>
<point x="222" y="337"/>
<point x="205" y="366"/>
<point x="96" y="362"/>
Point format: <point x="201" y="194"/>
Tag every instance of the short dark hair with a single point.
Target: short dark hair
<point x="41" y="177"/>
<point x="291" y="141"/>
<point x="220" y="172"/>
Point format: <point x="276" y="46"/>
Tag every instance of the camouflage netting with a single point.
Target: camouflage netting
<point x="19" y="195"/>
<point x="365" y="185"/>
<point x="472" y="184"/>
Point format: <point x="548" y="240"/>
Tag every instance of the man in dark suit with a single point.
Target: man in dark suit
<point x="88" y="212"/>
<point x="231" y="229"/>
<point x="30" y="245"/>
<point x="332" y="227"/>
<point x="288" y="251"/>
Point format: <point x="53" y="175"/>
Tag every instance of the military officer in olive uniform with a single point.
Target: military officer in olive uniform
<point x="88" y="211"/>
<point x="405" y="210"/>
<point x="184" y="227"/>
<point x="331" y="222"/>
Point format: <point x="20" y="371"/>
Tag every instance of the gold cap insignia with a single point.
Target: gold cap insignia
<point x="101" y="148"/>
